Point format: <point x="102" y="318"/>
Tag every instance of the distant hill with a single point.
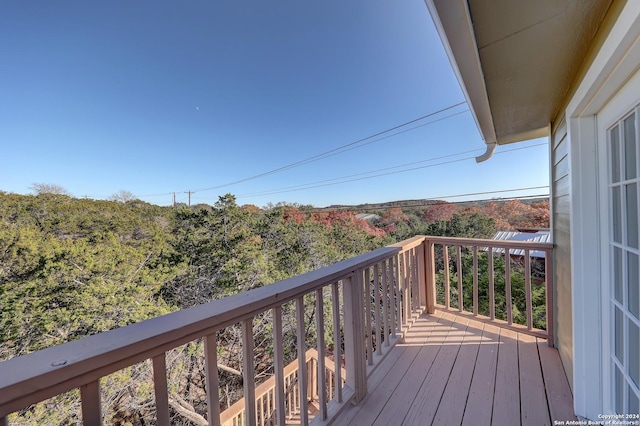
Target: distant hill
<point x="426" y="203"/>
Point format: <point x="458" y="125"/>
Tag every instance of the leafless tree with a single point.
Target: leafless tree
<point x="122" y="196"/>
<point x="49" y="188"/>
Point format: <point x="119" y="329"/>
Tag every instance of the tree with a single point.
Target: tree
<point x="49" y="188"/>
<point x="122" y="196"/>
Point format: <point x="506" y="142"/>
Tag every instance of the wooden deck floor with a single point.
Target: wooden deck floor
<point x="451" y="370"/>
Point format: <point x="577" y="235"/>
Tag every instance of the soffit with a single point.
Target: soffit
<point x="516" y="60"/>
<point x="530" y="52"/>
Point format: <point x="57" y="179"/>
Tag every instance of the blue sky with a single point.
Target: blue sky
<point x="156" y="97"/>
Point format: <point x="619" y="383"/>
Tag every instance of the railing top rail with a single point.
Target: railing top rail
<point x="31" y="378"/>
<point x="478" y="242"/>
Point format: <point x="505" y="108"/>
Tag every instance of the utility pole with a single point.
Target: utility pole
<point x="174" y="200"/>
<point x="189" y="192"/>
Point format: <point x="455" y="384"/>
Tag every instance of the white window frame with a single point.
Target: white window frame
<point x="625" y="102"/>
<point x="617" y="60"/>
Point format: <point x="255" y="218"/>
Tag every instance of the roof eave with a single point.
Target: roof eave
<point x="462" y="51"/>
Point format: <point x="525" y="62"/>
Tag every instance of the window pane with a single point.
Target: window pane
<point x="630" y="146"/>
<point x="632" y="215"/>
<point x="617" y="214"/>
<point x="615" y="154"/>
<point x="619" y="332"/>
<point x="634" y="357"/>
<point x="619" y="390"/>
<point x="617" y="274"/>
<point x="633" y="280"/>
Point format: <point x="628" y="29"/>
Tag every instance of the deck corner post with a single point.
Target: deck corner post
<point x="355" y="357"/>
<point x="421" y="271"/>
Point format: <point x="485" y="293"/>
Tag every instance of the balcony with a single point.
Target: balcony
<point x="431" y="330"/>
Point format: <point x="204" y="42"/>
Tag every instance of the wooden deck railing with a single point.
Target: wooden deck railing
<point x="373" y="299"/>
<point x="516" y="261"/>
<point x="265" y="405"/>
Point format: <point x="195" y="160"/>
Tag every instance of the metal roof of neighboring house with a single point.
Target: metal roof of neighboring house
<point x="538" y="237"/>
<point x="367" y="216"/>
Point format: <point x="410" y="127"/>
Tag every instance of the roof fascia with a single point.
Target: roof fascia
<point x="453" y="23"/>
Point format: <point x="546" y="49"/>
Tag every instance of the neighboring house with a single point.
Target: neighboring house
<point x="369" y="217"/>
<point x="569" y="70"/>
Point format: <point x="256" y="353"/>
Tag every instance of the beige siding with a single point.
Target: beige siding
<point x="561" y="237"/>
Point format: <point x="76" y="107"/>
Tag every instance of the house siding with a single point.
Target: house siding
<point x="561" y="234"/>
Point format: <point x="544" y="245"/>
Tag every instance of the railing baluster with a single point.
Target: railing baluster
<point x="248" y="376"/>
<point x="385" y="301"/>
<point x="507" y="283"/>
<point x="416" y="279"/>
<point x="367" y="315"/>
<point x="321" y="379"/>
<point x="410" y="278"/>
<point x="91" y="406"/>
<point x="391" y="297"/>
<point x="161" y="389"/>
<point x="211" y="378"/>
<point x="475" y="280"/>
<point x="302" y="362"/>
<point x="289" y="397"/>
<point x="377" y="293"/>
<point x="447" y="290"/>
<point x="406" y="296"/>
<point x="527" y="289"/>
<point x="459" y="268"/>
<point x="337" y="351"/>
<point x="279" y="365"/>
<point x="398" y="290"/>
<point x="492" y="296"/>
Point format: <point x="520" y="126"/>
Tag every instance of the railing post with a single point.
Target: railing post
<point x="421" y="280"/>
<point x="354" y="335"/>
<point x="248" y="373"/>
<point x="91" y="406"/>
<point x="430" y="276"/>
<point x="548" y="279"/>
<point x="278" y="366"/>
<point x="161" y="389"/>
<point x="211" y="378"/>
<point x="302" y="362"/>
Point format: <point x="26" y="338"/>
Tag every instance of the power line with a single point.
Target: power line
<point x="347" y="179"/>
<point x="335" y="151"/>
<point x="306" y="185"/>
<point x="332" y="151"/>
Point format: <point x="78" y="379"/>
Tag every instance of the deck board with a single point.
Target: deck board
<point x="533" y="406"/>
<point x="451" y="369"/>
<point x="425" y="403"/>
<point x="401" y="401"/>
<point x="385" y="380"/>
<point x="480" y="401"/>
<point x="457" y="387"/>
<point x="556" y="384"/>
<point x="506" y="397"/>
